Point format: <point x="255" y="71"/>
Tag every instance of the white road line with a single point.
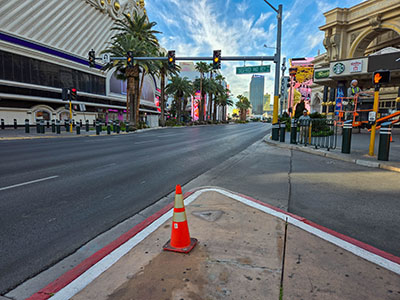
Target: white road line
<point x="28" y="182"/>
<point x="96" y="270"/>
<point x="143" y="142"/>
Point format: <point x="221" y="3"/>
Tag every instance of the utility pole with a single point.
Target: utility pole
<point x="277" y="60"/>
<point x="283" y="88"/>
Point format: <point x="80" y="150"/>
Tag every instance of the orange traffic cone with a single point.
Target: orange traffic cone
<point x="180" y="239"/>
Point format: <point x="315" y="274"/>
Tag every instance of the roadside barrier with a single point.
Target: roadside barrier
<point x="385" y="134"/>
<point x="320" y="133"/>
<point x="180" y="238"/>
<point x="58" y="125"/>
<point x="346" y="136"/>
<point x="26" y="126"/>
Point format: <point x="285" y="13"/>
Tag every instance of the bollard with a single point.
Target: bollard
<point x="282" y="132"/>
<point x="346" y="136"/>
<point x="37" y="127"/>
<point x="2" y="124"/>
<point x="48" y="124"/>
<point x="87" y="125"/>
<point x="58" y="125"/>
<point x="127" y="127"/>
<point x="66" y="125"/>
<point x="275" y="132"/>
<point x="42" y="128"/>
<point x="53" y="126"/>
<point x="15" y="124"/>
<point x="293" y="132"/>
<point x="97" y="128"/>
<point x="384" y="141"/>
<point x="118" y="128"/>
<point x="80" y="123"/>
<point x="94" y="123"/>
<point x="73" y="123"/>
<point x="108" y="129"/>
<point x="78" y="128"/>
<point x="114" y="126"/>
<point x="26" y="126"/>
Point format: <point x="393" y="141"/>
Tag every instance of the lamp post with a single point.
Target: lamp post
<point x="283" y="87"/>
<point x="277" y="61"/>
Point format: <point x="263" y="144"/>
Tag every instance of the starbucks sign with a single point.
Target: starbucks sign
<point x="338" y="68"/>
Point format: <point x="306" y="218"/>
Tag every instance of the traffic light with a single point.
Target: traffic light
<point x="73" y="93"/>
<point x="129" y="58"/>
<point x="171" y="59"/>
<point x="217" y="59"/>
<point x="381" y="76"/>
<point x="64" y="94"/>
<point x="92" y="58"/>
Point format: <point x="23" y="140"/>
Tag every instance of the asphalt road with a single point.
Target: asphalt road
<point x="57" y="194"/>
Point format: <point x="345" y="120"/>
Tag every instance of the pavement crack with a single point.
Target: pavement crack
<point x="244" y="266"/>
<point x="290" y="179"/>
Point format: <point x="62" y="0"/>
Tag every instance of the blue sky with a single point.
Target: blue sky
<point x="240" y="27"/>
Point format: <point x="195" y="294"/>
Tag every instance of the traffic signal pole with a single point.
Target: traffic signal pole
<point x="373" y="128"/>
<point x="70" y="114"/>
<point x="277" y="64"/>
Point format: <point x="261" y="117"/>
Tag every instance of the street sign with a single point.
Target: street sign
<point x="253" y="69"/>
<point x="106" y="58"/>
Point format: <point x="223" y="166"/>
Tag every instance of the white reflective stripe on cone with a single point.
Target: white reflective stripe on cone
<point x="179" y="217"/>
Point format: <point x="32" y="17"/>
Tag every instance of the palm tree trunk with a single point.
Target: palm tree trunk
<point x="137" y="96"/>
<point x="215" y="111"/>
<point x="130" y="96"/>
<point x="209" y="100"/>
<point x="201" y="117"/>
<point x="162" y="99"/>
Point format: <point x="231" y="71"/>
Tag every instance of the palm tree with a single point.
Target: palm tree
<point x="224" y="100"/>
<point x="181" y="88"/>
<point x="163" y="72"/>
<point x="202" y="68"/>
<point x="210" y="92"/>
<point x="135" y="35"/>
<point x="243" y="104"/>
<point x="219" y="90"/>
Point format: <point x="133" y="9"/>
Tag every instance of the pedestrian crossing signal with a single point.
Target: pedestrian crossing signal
<point x="381" y="76"/>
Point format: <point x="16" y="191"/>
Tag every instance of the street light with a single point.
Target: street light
<point x="277" y="60"/>
<point x="265" y="46"/>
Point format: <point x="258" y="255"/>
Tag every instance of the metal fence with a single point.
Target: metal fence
<point x="320" y="133"/>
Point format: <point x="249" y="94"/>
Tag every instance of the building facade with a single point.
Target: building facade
<point x="44" y="47"/>
<point x="257" y="94"/>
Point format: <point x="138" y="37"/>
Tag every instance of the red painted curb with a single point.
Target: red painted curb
<point x="74" y="273"/>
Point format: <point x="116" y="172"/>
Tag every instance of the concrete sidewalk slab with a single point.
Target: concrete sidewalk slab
<point x="239" y="256"/>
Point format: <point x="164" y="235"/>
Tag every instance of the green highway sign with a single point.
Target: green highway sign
<point x="253" y="69"/>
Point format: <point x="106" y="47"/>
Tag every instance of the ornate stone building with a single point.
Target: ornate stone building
<point x="44" y="47"/>
<point x="354" y="36"/>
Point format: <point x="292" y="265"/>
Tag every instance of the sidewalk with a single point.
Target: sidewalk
<point x="19" y="133"/>
<point x="239" y="256"/>
<point x="359" y="150"/>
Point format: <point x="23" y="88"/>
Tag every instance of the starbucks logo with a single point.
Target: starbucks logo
<point x="338" y="68"/>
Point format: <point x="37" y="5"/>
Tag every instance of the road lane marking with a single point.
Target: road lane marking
<point x="144" y="142"/>
<point x="28" y="182"/>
